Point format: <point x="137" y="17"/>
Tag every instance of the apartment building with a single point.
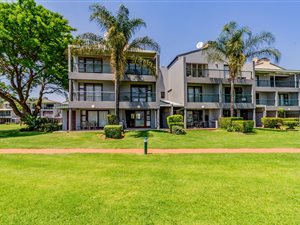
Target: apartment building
<point x="92" y="93"/>
<point x="7" y="115"/>
<point x="50" y="109"/>
<point x="275" y="87"/>
<point x="200" y="90"/>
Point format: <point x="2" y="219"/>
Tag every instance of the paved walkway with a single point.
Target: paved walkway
<point x="150" y="151"/>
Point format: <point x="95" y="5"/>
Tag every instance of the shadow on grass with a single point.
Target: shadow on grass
<point x="271" y="129"/>
<point x="17" y="133"/>
<point x="146" y="133"/>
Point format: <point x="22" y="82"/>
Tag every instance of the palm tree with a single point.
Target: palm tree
<point x="235" y="45"/>
<point x="118" y="42"/>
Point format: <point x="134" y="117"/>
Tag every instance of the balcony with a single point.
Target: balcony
<point x="137" y="97"/>
<point x="268" y="83"/>
<point x="215" y="73"/>
<point x="103" y="96"/>
<point x="204" y="97"/>
<point x="268" y="102"/>
<point x="97" y="67"/>
<point x="288" y="102"/>
<point x="93" y="96"/>
<point x="238" y="98"/>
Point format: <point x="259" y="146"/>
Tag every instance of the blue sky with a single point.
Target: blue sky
<point x="178" y="25"/>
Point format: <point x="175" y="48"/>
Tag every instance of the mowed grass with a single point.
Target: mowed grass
<point x="154" y="189"/>
<point x="11" y="137"/>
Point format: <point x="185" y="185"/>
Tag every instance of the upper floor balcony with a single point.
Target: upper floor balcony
<point x="203" y="97"/>
<point x="277" y="83"/>
<point x="216" y="73"/>
<point x="105" y="96"/>
<point x="238" y="98"/>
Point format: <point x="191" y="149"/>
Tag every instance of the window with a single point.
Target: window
<point x="137" y="69"/>
<point x="90" y="92"/>
<point x="141" y="93"/>
<point x="162" y="94"/>
<point x="194" y="94"/>
<point x="90" y="65"/>
<point x="226" y="71"/>
<point x="196" y="70"/>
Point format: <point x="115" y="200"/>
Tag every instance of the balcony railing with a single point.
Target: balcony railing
<point x="288" y="102"/>
<point x="91" y="67"/>
<point x="215" y="73"/>
<point x="269" y="102"/>
<point x="204" y="97"/>
<point x="137" y="97"/>
<point x="93" y="96"/>
<point x="238" y="98"/>
<point x="105" y="68"/>
<point x="102" y="96"/>
<point x="268" y="83"/>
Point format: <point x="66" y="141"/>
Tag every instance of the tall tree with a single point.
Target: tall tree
<point x="33" y="43"/>
<point x="118" y="42"/>
<point x="235" y="45"/>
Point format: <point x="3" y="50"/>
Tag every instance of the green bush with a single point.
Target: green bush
<point x="225" y="122"/>
<point x="272" y="122"/>
<point x="244" y="126"/>
<point x="175" y="120"/>
<point x="290" y="124"/>
<point x="112" y="119"/>
<point x="41" y="124"/>
<point x="178" y="130"/>
<point x="113" y="131"/>
<point x="281" y="112"/>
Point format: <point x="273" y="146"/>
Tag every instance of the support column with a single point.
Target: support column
<point x="158" y="119"/>
<point x="185" y="118"/>
<point x="70" y="119"/>
<point x="172" y="110"/>
<point x="254" y="116"/>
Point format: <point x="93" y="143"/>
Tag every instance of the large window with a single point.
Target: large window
<point x="142" y="93"/>
<point x="196" y="70"/>
<point x="4" y="113"/>
<point x="194" y="94"/>
<point x="90" y="65"/>
<point x="90" y="92"/>
<point x="137" y="69"/>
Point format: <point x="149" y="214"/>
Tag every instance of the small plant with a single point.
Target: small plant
<point x="175" y="120"/>
<point x="112" y="119"/>
<point x="178" y="130"/>
<point x="113" y="131"/>
<point x="244" y="126"/>
<point x="281" y="112"/>
<point x="225" y="122"/>
<point x="272" y="122"/>
<point x="41" y="124"/>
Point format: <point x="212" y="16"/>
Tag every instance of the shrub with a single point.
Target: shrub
<point x="225" y="122"/>
<point x="290" y="124"/>
<point x="175" y="120"/>
<point x="244" y="126"/>
<point x="178" y="130"/>
<point x="112" y="119"/>
<point x="272" y="122"/>
<point x="281" y="112"/>
<point x="41" y="124"/>
<point x="113" y="131"/>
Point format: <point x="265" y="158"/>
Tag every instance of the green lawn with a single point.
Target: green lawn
<point x="11" y="137"/>
<point x="154" y="189"/>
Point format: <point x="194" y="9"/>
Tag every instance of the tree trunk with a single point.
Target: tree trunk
<point x="117" y="98"/>
<point x="232" y="97"/>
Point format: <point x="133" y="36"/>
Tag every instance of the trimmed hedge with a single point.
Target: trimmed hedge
<point x="178" y="130"/>
<point x="244" y="126"/>
<point x="113" y="131"/>
<point x="112" y="119"/>
<point x="225" y="122"/>
<point x="291" y="124"/>
<point x="175" y="120"/>
<point x="272" y="122"/>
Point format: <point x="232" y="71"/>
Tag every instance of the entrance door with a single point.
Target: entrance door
<point x="139" y="119"/>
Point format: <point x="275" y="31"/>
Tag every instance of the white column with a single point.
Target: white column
<point x="158" y="119"/>
<point x="185" y="118"/>
<point x="70" y="119"/>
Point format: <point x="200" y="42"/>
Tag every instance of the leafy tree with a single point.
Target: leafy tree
<point x="33" y="42"/>
<point x="235" y="46"/>
<point x="118" y="42"/>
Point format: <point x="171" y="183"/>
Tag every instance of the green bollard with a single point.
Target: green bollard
<point x="145" y="145"/>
